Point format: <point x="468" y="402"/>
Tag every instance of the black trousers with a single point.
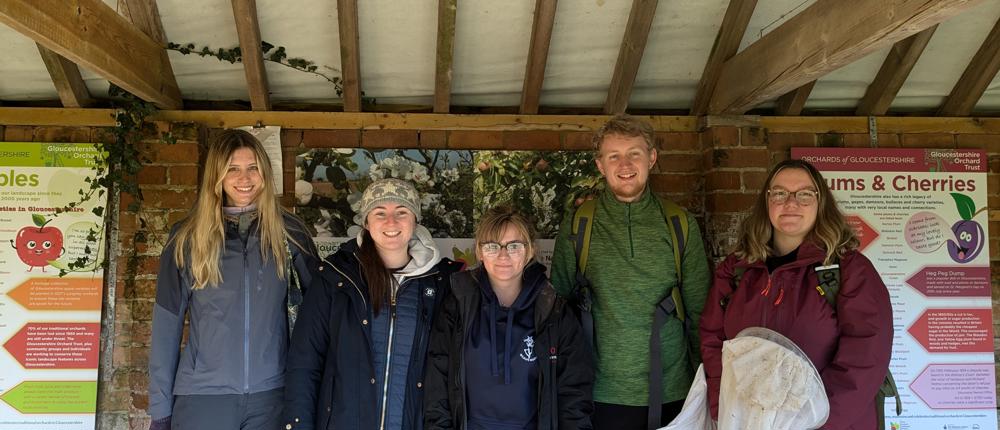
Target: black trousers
<point x="257" y="411"/>
<point x="620" y="417"/>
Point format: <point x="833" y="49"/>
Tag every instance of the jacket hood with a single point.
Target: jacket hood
<point x="424" y="254"/>
<point x="533" y="282"/>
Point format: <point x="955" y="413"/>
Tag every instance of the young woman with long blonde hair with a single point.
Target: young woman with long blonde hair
<point x="236" y="267"/>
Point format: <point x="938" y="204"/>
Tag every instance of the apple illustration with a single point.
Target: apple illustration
<point x="37" y="245"/>
<point x="969" y="233"/>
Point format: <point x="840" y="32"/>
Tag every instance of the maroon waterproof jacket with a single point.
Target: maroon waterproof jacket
<point x="849" y="346"/>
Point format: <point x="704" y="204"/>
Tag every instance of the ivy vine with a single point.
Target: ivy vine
<point x="274" y="54"/>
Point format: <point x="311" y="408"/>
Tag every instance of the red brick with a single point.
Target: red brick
<point x="62" y="134"/>
<point x="532" y="140"/>
<point x="777" y="157"/>
<point x="676" y="141"/>
<point x="18" y="133"/>
<point x="173" y="217"/>
<point x="475" y="139"/>
<point x="718" y="137"/>
<point x="752" y="136"/>
<point x="722" y="180"/>
<point x="152" y="175"/>
<point x="754" y="181"/>
<point x="675" y="183"/>
<point x="126" y="202"/>
<point x="291" y="137"/>
<point x="435" y="139"/>
<point x="672" y="162"/>
<point x="581" y="140"/>
<point x="729" y="202"/>
<point x="734" y="157"/>
<point x="175" y="153"/>
<point x="331" y="138"/>
<point x="102" y="135"/>
<point x="395" y="139"/>
<point x="830" y="140"/>
<point x="786" y="141"/>
<point x="128" y="222"/>
<point x="928" y="141"/>
<point x="186" y="131"/>
<point x="184" y="175"/>
<point x="168" y="199"/>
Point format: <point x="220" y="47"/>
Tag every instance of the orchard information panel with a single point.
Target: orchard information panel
<point x="921" y="217"/>
<point x="51" y="236"/>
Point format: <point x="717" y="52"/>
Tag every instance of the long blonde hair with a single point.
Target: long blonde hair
<point x="201" y="236"/>
<point x="831" y="231"/>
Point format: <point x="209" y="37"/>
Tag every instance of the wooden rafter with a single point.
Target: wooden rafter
<point x="727" y="43"/>
<point x="822" y="38"/>
<point x="350" y="61"/>
<point x="447" y="10"/>
<point x="145" y="16"/>
<point x="976" y="78"/>
<point x="538" y="55"/>
<point x="66" y="77"/>
<point x="791" y="104"/>
<point x="91" y="34"/>
<point x="895" y="69"/>
<point x="640" y="19"/>
<point x="245" y="12"/>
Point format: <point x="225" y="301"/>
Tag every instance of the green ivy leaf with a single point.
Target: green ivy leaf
<point x="966" y="206"/>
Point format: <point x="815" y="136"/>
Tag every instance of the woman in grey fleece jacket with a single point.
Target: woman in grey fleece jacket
<point x="235" y="266"/>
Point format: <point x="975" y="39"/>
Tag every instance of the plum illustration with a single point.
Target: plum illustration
<point x="970" y="241"/>
<point x="970" y="235"/>
<point x="37" y="245"/>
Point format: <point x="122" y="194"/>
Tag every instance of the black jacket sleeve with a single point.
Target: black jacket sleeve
<point x="437" y="408"/>
<point x="307" y="355"/>
<point x="575" y="374"/>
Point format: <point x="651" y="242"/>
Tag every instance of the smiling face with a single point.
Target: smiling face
<point x="505" y="267"/>
<point x="791" y="220"/>
<point x="391" y="226"/>
<point x="243" y="182"/>
<point x="625" y="162"/>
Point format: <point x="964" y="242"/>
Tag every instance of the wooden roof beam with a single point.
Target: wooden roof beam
<point x="350" y="61"/>
<point x="66" y="77"/>
<point x="538" y="55"/>
<point x="245" y="12"/>
<point x="822" y="38"/>
<point x="791" y="104"/>
<point x="976" y="78"/>
<point x="727" y="43"/>
<point x="891" y="77"/>
<point x="640" y="19"/>
<point x="91" y="34"/>
<point x="445" y="55"/>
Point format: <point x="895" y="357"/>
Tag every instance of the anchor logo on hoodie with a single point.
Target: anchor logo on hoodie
<point x="528" y="352"/>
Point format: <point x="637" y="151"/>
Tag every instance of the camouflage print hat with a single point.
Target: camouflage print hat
<point x="388" y="190"/>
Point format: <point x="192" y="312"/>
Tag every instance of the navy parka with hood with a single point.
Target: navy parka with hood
<point x="337" y="375"/>
<point x="565" y="370"/>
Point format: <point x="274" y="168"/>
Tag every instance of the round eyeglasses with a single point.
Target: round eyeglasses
<point x="802" y="197"/>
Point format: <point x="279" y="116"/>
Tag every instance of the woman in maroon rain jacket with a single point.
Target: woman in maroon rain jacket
<point x="794" y="227"/>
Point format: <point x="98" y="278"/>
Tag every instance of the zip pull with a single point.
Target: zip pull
<point x="767" y="290"/>
<point x="781" y="295"/>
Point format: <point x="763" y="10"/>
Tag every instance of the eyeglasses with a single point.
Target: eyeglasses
<point x="802" y="197"/>
<point x="492" y="249"/>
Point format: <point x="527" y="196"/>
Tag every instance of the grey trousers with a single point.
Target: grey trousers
<point x="256" y="411"/>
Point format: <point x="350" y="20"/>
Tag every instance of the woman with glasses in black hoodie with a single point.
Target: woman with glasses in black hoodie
<point x="505" y="353"/>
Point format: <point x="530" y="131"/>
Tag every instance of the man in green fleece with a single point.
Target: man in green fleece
<point x="631" y="268"/>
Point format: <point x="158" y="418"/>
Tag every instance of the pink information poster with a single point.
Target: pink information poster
<point x="921" y="217"/>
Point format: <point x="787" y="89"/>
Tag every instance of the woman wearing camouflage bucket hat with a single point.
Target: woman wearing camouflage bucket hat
<point x="357" y="354"/>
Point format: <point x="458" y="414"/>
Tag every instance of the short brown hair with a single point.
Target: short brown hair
<point x="624" y="125"/>
<point x="494" y="221"/>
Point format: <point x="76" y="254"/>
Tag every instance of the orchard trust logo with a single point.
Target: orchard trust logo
<point x="38" y="245"/>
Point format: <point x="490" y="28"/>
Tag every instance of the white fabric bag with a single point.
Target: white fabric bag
<point x="768" y="383"/>
<point x="695" y="414"/>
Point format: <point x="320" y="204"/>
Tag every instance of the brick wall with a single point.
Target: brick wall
<point x="714" y="173"/>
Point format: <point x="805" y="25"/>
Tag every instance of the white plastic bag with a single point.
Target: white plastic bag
<point x="695" y="414"/>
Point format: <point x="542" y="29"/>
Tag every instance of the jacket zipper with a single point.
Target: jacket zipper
<point x="246" y="322"/>
<point x="388" y="349"/>
<point x="628" y="223"/>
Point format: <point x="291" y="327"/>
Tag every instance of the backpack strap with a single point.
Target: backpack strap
<point x="583" y="222"/>
<point x="677" y="226"/>
<point x="294" y="297"/>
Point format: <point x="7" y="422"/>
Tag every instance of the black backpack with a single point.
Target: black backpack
<point x="829" y="288"/>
